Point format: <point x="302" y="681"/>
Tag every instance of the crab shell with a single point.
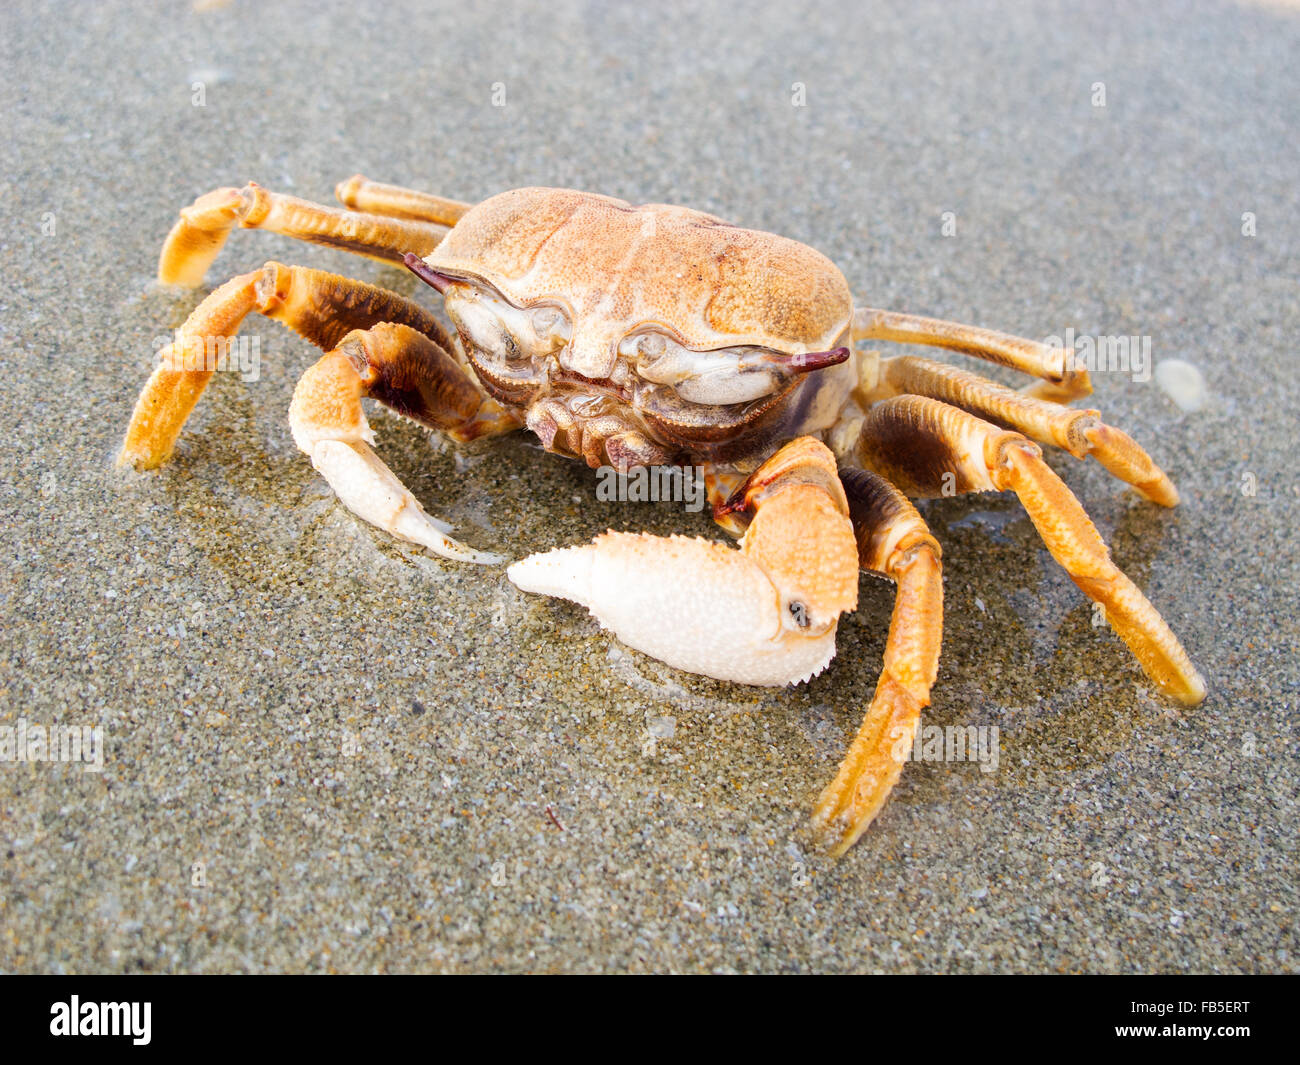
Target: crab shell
<point x="616" y="267"/>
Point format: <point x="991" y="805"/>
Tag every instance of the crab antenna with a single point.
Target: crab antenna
<point x="807" y="361"/>
<point x="426" y="273"/>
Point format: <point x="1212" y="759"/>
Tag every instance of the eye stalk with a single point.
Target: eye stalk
<point x="427" y="273"/>
<point x="807" y="361"/>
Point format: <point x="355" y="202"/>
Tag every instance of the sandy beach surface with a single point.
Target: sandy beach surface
<point x="324" y="750"/>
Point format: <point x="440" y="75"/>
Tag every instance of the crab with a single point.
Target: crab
<point x="660" y="336"/>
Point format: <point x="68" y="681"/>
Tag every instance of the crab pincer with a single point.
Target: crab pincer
<point x="763" y="613"/>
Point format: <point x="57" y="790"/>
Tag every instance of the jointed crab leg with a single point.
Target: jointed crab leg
<point x="318" y="306"/>
<point x="362" y="194"/>
<point x="1061" y="380"/>
<point x="915" y="442"/>
<point x="202" y="228"/>
<point x="1080" y="432"/>
<point x="763" y="614"/>
<point x="405" y="370"/>
<point x="183" y="372"/>
<point x="893" y="541"/>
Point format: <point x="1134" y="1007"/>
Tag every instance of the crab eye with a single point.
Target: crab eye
<point x="651" y="345"/>
<point x="549" y="326"/>
<point x="482" y="327"/>
<point x="514" y="338"/>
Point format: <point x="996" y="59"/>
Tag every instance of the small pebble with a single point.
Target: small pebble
<point x="1182" y="382"/>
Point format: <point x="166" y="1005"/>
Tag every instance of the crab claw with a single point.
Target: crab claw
<point x="764" y="614"/>
<point x="330" y="427"/>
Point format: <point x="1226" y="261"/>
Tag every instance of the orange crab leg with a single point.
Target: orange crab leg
<point x="202" y="228"/>
<point x="1080" y="432"/>
<point x="894" y="542"/>
<point x="1061" y="378"/>
<point x="318" y="306"/>
<point x="928" y="448"/>
<point x="373" y="197"/>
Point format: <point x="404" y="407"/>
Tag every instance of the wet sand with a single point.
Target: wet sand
<point x="327" y="751"/>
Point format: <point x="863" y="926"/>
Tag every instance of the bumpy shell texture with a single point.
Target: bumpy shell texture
<point x="616" y="267"/>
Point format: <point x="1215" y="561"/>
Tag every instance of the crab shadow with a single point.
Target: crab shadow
<point x="1021" y="650"/>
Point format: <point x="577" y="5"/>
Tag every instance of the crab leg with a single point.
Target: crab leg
<point x="362" y="194"/>
<point x="318" y="306"/>
<point x="183" y="372"/>
<point x="1080" y="432"/>
<point x="406" y="371"/>
<point x="202" y="228"/>
<point x="1061" y="380"/>
<point x="765" y="613"/>
<point x="395" y="357"/>
<point x="928" y="448"/>
<point x="894" y="542"/>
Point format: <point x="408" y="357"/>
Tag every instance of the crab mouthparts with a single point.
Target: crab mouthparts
<point x="427" y="273"/>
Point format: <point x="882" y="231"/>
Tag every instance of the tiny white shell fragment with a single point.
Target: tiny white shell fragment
<point x="662" y="728"/>
<point x="1182" y="382"/>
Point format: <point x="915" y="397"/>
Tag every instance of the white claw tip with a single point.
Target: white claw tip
<point x="564" y="572"/>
